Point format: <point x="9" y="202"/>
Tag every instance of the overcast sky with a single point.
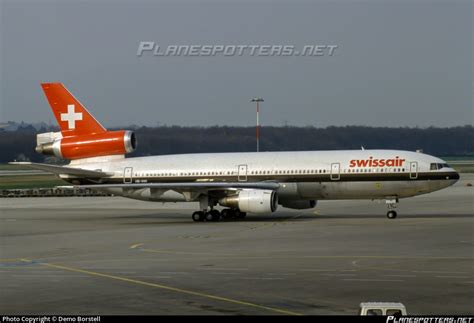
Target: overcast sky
<point x="398" y="63"/>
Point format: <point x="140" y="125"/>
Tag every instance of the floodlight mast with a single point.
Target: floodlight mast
<point x="258" y="100"/>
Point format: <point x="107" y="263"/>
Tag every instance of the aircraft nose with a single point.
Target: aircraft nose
<point x="455" y="176"/>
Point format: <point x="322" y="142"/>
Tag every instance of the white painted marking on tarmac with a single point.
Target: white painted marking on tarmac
<point x="135" y="246"/>
<point x="456" y="277"/>
<point x="399" y="275"/>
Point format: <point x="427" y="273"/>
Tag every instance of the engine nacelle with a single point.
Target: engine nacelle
<point x="252" y="201"/>
<point x="85" y="146"/>
<point x="299" y="204"/>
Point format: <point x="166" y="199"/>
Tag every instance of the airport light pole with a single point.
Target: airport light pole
<point x="258" y="100"/>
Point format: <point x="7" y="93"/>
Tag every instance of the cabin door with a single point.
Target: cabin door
<point x="413" y="170"/>
<point x="127" y="174"/>
<point x="242" y="173"/>
<point x="335" y="171"/>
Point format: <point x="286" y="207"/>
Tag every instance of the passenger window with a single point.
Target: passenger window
<point x="374" y="312"/>
<point x="433" y="166"/>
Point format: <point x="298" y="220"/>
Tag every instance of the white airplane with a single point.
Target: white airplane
<point x="242" y="182"/>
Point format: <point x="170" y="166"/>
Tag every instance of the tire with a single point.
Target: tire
<point x="391" y="215"/>
<point x="239" y="214"/>
<point x="226" y="213"/>
<point x="236" y="214"/>
<point x="216" y="215"/>
<point x="208" y="216"/>
<point x="197" y="216"/>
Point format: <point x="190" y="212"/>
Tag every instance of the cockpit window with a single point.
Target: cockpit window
<point x="436" y="166"/>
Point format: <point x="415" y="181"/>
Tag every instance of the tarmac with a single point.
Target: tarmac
<point x="110" y="255"/>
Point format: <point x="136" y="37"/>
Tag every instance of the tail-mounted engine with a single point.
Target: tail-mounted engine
<point x="88" y="145"/>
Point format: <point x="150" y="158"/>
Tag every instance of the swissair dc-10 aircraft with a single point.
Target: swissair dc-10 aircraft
<point x="241" y="182"/>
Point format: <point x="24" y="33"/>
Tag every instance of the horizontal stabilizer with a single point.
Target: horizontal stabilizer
<point x="56" y="169"/>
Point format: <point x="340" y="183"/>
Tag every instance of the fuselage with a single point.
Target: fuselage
<point x="302" y="175"/>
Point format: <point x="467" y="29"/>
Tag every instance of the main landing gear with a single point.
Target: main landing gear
<point x="215" y="215"/>
<point x="392" y="206"/>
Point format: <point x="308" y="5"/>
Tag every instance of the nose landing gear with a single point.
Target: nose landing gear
<point x="392" y="205"/>
<point x="391" y="214"/>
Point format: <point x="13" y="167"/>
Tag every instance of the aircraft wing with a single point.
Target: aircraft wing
<point x="190" y="185"/>
<point x="56" y="169"/>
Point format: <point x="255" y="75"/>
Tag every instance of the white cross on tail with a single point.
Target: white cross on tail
<point x="71" y="117"/>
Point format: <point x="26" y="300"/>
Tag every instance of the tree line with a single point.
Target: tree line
<point x="454" y="141"/>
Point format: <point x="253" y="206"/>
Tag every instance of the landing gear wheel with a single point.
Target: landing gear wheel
<point x="198" y="216"/>
<point x="208" y="216"/>
<point x="235" y="214"/>
<point x="226" y="213"/>
<point x="215" y="215"/>
<point x="239" y="214"/>
<point x="391" y="214"/>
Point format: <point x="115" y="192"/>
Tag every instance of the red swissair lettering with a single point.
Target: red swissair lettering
<point x="373" y="162"/>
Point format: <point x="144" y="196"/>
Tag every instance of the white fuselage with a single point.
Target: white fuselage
<point x="307" y="175"/>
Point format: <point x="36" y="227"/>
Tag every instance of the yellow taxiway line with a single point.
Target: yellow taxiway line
<point x="160" y="286"/>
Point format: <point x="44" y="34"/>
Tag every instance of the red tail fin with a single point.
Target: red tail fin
<point x="73" y="118"/>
